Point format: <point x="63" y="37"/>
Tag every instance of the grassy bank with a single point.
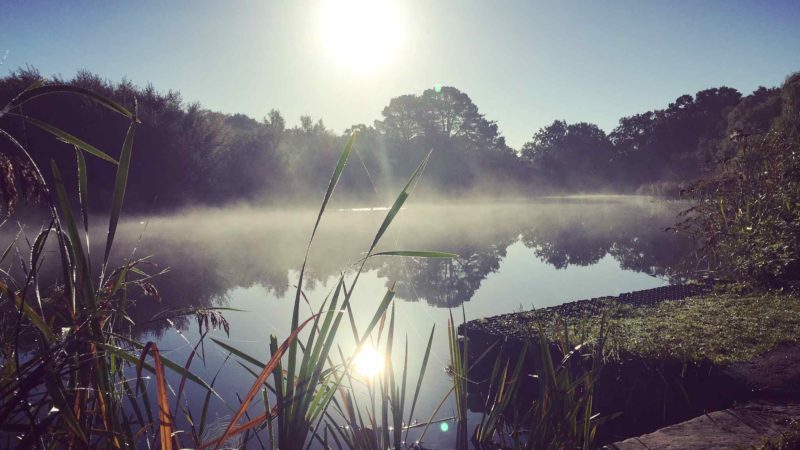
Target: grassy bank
<point x="719" y="328"/>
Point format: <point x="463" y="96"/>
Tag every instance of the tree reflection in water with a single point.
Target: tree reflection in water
<point x="209" y="253"/>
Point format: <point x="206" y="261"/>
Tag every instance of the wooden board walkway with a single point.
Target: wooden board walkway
<point x="739" y="427"/>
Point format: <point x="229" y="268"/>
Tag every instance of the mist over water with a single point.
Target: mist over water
<point x="512" y="255"/>
<point x="211" y="251"/>
<point x="555" y="243"/>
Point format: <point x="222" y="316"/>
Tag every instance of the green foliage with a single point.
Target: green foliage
<point x="747" y="216"/>
<point x="673" y="144"/>
<point x="440" y="114"/>
<point x="563" y="377"/>
<point x="789" y="121"/>
<point x="563" y="414"/>
<point x="378" y="423"/>
<point x="64" y="389"/>
<point x="746" y="213"/>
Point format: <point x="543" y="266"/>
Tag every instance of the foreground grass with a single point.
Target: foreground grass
<point x="720" y="327"/>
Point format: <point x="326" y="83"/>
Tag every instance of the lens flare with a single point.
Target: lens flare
<point x="368" y="362"/>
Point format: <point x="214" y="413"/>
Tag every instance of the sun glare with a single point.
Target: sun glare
<point x="368" y="362"/>
<point x="362" y="35"/>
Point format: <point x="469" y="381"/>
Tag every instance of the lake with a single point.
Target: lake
<point x="512" y="256"/>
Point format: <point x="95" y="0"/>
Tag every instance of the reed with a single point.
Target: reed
<point x="531" y="399"/>
<point x="71" y="390"/>
<point x="71" y="377"/>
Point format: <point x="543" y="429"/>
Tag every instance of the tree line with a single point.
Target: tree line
<point x="746" y="213"/>
<point x="186" y="154"/>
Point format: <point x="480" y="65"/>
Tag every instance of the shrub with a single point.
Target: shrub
<point x="747" y="216"/>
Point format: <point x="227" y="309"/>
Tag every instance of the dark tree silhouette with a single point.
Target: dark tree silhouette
<point x="186" y="154"/>
<point x="571" y="156"/>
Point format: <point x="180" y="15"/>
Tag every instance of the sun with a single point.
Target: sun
<point x="362" y="35"/>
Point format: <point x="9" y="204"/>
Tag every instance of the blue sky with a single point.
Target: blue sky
<point x="523" y="63"/>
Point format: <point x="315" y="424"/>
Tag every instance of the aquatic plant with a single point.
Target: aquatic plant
<point x="73" y="389"/>
<point x="72" y="375"/>
<point x="531" y="400"/>
<point x="61" y="388"/>
<point x="745" y="216"/>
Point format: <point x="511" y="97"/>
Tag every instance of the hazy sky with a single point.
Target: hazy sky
<point x="524" y="63"/>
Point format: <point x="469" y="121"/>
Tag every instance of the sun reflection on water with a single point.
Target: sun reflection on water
<point x="368" y="362"/>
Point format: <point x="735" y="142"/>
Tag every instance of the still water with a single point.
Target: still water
<point x="512" y="256"/>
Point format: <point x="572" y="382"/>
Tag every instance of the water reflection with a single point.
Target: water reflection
<point x="257" y="248"/>
<point x="211" y="252"/>
<point x="446" y="283"/>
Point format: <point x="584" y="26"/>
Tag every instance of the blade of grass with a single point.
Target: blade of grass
<point x="119" y="189"/>
<point x="419" y="379"/>
<point x="239" y="353"/>
<point x="32" y="315"/>
<point x="83" y="199"/>
<point x="435" y="411"/>
<point x="204" y="411"/>
<point x="311" y="367"/>
<point x="399" y="201"/>
<point x="10" y="246"/>
<point x="74" y="239"/>
<point x="388" y="384"/>
<point x="168" y="363"/>
<point x="399" y="416"/>
<point x="337" y="173"/>
<point x="280" y="386"/>
<point x="57" y="390"/>
<point x="166" y="425"/>
<point x="65" y="137"/>
<point x="38" y="90"/>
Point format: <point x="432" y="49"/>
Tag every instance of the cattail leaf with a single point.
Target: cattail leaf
<point x="74" y="239"/>
<point x="68" y="138"/>
<point x="119" y="189"/>
<point x="38" y="89"/>
<point x="398" y="203"/>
